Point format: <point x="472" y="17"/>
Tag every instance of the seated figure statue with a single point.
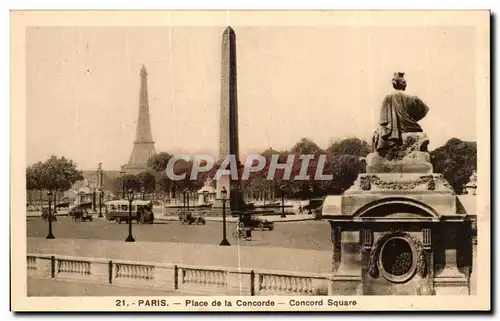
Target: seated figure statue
<point x="399" y="144"/>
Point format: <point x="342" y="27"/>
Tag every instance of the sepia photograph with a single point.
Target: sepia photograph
<point x="250" y="161"/>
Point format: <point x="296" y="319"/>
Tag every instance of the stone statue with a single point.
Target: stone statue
<point x="208" y="182"/>
<point x="399" y="139"/>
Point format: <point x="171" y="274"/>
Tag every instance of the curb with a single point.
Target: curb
<point x="170" y="219"/>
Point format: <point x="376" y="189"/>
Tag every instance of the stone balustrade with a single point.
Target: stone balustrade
<point x="181" y="277"/>
<point x="134" y="271"/>
<point x="73" y="266"/>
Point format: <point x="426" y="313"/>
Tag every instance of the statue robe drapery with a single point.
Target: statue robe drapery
<point x="399" y="114"/>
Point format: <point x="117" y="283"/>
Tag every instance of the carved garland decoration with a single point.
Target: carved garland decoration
<point x="373" y="268"/>
<point x="367" y="181"/>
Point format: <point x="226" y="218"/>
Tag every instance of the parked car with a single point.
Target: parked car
<point x="313" y="205"/>
<point x="77" y="209"/>
<point x="249" y="220"/>
<point x="81" y="215"/>
<point x="318" y="213"/>
<point x="189" y="218"/>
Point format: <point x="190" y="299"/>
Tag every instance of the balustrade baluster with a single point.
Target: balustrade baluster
<point x="205" y="278"/>
<point x="289" y="283"/>
<point x="294" y="282"/>
<point x="210" y="278"/>
<point x="273" y="283"/>
<point x="303" y="285"/>
<point x="263" y="282"/>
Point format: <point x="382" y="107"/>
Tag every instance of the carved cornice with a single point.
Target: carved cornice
<point x="366" y="183"/>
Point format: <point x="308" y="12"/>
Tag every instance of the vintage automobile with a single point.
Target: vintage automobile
<point x="189" y="218"/>
<point x="249" y="220"/>
<point x="318" y="213"/>
<point x="81" y="215"/>
<point x="118" y="211"/>
<point x="77" y="212"/>
<point x="313" y="205"/>
<point x="45" y="215"/>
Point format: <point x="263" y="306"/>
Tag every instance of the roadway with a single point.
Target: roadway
<point x="314" y="235"/>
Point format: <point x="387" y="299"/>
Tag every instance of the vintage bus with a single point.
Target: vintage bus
<point x="118" y="211"/>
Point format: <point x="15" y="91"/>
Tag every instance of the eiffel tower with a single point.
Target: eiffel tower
<point x="144" y="146"/>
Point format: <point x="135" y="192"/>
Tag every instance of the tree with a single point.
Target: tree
<point x="306" y="146"/>
<point x="344" y="169"/>
<point x="350" y="146"/>
<point x="32" y="182"/>
<point x="456" y="160"/>
<point x="147" y="181"/>
<point x="158" y="162"/>
<point x="131" y="182"/>
<point x="55" y="173"/>
<point x="164" y="184"/>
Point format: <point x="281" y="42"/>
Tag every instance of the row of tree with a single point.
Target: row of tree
<point x="456" y="160"/>
<point x="55" y="174"/>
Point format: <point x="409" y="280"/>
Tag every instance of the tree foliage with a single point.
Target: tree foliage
<point x="456" y="160"/>
<point x="350" y="146"/>
<point x="57" y="174"/>
<point x="344" y="160"/>
<point x="147" y="181"/>
<point x="158" y="162"/>
<point x="131" y="182"/>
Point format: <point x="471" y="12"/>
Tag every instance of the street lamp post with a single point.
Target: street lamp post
<point x="93" y="199"/>
<point x="122" y="176"/>
<point x="101" y="196"/>
<point x="55" y="202"/>
<point x="187" y="199"/>
<point x="50" y="236"/>
<point x="283" y="202"/>
<point x="224" y="241"/>
<point x="310" y="199"/>
<point x="130" y="238"/>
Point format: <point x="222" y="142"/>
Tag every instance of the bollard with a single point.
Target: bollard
<point x="110" y="268"/>
<point x="52" y="267"/>
<point x="252" y="283"/>
<point x="176" y="279"/>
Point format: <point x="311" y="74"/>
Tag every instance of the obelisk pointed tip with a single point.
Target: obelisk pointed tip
<point x="144" y="72"/>
<point x="229" y="31"/>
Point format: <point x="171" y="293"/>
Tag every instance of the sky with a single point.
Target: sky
<point x="323" y="83"/>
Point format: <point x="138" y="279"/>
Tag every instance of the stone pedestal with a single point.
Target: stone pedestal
<point x="398" y="234"/>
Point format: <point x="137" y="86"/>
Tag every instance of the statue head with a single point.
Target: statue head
<point x="399" y="81"/>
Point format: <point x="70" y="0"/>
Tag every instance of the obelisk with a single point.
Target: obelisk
<point x="229" y="119"/>
<point x="144" y="146"/>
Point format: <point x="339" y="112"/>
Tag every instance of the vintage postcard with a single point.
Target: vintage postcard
<point x="250" y="161"/>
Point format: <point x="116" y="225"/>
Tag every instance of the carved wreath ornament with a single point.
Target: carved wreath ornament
<point x="367" y="181"/>
<point x="373" y="267"/>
